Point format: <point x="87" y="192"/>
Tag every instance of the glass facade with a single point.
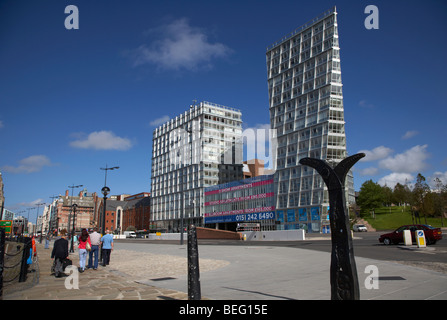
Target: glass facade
<point x="307" y="112"/>
<point x="197" y="149"/>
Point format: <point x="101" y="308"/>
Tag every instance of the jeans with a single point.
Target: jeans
<point x="93" y="263"/>
<point x="106" y="256"/>
<point x="82" y="258"/>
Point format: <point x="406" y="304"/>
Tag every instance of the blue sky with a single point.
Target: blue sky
<point x="72" y="101"/>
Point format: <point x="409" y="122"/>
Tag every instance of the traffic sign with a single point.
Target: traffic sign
<point x="6" y="225"/>
<point x="420" y="239"/>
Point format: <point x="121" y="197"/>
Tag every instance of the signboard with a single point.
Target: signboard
<point x="407" y="238"/>
<point x="6" y="225"/>
<point x="240" y="217"/>
<point x="315" y="213"/>
<point x="420" y="239"/>
<point x="290" y="215"/>
<point x="302" y="213"/>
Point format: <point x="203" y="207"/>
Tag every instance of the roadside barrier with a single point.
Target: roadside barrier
<point x="16" y="262"/>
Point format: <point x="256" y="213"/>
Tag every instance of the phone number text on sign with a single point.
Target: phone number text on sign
<point x="255" y="216"/>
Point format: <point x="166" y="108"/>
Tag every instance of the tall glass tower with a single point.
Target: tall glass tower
<point x="306" y="109"/>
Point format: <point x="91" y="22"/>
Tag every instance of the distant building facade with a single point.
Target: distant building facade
<point x="199" y="148"/>
<point x="87" y="208"/>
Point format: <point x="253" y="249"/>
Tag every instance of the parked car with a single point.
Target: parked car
<point x="359" y="228"/>
<point x="130" y="234"/>
<point x="432" y="234"/>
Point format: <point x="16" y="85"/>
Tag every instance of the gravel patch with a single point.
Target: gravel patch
<point x="148" y="265"/>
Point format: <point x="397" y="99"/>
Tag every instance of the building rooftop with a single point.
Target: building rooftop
<point x="303" y="27"/>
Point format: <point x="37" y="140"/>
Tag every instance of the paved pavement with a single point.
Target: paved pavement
<point x="158" y="271"/>
<point x="105" y="283"/>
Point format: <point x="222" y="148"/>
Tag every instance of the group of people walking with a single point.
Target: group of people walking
<point x="90" y="244"/>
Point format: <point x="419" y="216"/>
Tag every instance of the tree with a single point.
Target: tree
<point x="419" y="192"/>
<point x="388" y="195"/>
<point x="440" y="199"/>
<point x="401" y="193"/>
<point x="371" y="196"/>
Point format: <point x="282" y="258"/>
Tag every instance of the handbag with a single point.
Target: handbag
<point x="66" y="263"/>
<point x="87" y="246"/>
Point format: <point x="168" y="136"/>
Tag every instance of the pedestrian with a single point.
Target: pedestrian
<point x="84" y="239"/>
<point x="59" y="254"/>
<point x="107" y="247"/>
<point x="47" y="242"/>
<point x="95" y="239"/>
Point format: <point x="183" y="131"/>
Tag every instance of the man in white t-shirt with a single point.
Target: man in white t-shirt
<point x="95" y="239"/>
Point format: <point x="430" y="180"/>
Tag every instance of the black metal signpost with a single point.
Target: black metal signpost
<point x="193" y="265"/>
<point x="343" y="273"/>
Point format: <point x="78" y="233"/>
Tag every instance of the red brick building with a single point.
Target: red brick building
<point x="132" y="211"/>
<point x="137" y="211"/>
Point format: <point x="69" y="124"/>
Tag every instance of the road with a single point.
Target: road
<point x="366" y="245"/>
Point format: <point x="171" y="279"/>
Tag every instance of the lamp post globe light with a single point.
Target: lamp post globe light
<point x="105" y="191"/>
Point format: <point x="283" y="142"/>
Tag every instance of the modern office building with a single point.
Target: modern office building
<point x="199" y="148"/>
<point x="306" y="109"/>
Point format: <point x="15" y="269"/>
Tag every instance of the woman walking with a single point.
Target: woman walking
<point x="84" y="239"/>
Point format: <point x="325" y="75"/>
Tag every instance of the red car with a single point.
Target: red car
<point x="431" y="234"/>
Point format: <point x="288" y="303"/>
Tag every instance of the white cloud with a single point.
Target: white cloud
<point x="28" y="165"/>
<point x="102" y="140"/>
<point x="365" y="104"/>
<point x="438" y="174"/>
<point x="392" y="179"/>
<point x="159" y="121"/>
<point x="412" y="160"/>
<point x="30" y="204"/>
<point x="410" y="134"/>
<point x="181" y="47"/>
<point x="369" y="171"/>
<point x="376" y="153"/>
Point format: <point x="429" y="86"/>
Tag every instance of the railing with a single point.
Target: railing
<point x="15" y="255"/>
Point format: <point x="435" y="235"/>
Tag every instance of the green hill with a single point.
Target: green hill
<point x="390" y="218"/>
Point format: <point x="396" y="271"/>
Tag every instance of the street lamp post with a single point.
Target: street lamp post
<point x="105" y="190"/>
<point x="71" y="206"/>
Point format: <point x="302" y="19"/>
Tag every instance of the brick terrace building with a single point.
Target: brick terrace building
<point x="131" y="211"/>
<point x="137" y="211"/>
<point x="87" y="208"/>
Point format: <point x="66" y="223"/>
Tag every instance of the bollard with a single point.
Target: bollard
<point x="193" y="265"/>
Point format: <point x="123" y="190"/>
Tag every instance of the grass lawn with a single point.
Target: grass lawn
<point x="390" y="218"/>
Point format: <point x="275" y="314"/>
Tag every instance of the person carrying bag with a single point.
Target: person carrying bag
<point x="84" y="240"/>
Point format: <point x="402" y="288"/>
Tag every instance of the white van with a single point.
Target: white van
<point x="130" y="234"/>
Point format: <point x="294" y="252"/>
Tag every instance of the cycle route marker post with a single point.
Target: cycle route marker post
<point x="343" y="270"/>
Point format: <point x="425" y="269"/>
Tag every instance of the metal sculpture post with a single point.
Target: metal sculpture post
<point x="194" y="292"/>
<point x="343" y="273"/>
